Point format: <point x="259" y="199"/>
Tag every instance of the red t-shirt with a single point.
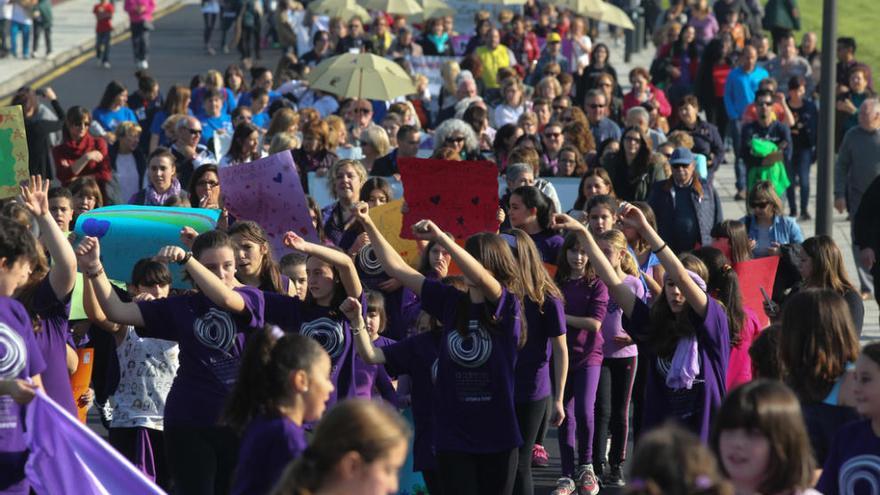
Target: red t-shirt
<point x="104" y="14"/>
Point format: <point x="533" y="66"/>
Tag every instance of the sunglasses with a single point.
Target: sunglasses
<point x="552" y="135"/>
<point x="596" y="105"/>
<point x="210" y="184"/>
<point x="194" y="131"/>
<point x="632" y="139"/>
<point x="760" y="204"/>
<point x="454" y="139"/>
<point x="679" y="165"/>
<point x="763" y="103"/>
<point x="558" y="108"/>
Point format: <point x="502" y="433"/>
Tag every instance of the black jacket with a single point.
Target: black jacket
<point x="39" y="150"/>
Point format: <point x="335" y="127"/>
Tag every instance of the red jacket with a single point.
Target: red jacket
<point x="630" y="100"/>
<point x="69" y="151"/>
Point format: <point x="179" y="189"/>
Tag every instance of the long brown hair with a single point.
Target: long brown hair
<point x="537" y="283"/>
<point x="668" y="326"/>
<point x="817" y="341"/>
<point x="563" y="268"/>
<point x="270" y="274"/>
<point x="369" y="428"/>
<point x="828" y="268"/>
<point x="737" y="238"/>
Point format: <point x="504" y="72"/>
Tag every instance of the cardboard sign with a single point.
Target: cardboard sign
<point x="80" y="380"/>
<point x="13" y="151"/>
<point x="460" y="197"/>
<point x="268" y="191"/>
<point x="389" y="220"/>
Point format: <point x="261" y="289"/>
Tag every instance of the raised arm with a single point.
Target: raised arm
<point x="62" y="275"/>
<point x="392" y="262"/>
<point x="209" y="283"/>
<point x="93" y="309"/>
<point x="693" y="294"/>
<point x="352" y="310"/>
<point x="343" y="263"/>
<point x="470" y="267"/>
<point x="88" y="254"/>
<point x="618" y="290"/>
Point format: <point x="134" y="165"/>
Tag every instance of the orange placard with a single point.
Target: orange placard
<point x="81" y="379"/>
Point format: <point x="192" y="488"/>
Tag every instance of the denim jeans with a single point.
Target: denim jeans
<point x="140" y="40"/>
<point x="25" y="30"/>
<point x="735" y="130"/>
<point x="102" y="46"/>
<point x="799" y="173"/>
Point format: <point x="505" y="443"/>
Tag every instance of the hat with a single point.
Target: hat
<point x="681" y="156"/>
<point x="553" y="38"/>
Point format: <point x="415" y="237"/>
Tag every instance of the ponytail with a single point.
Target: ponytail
<point x="618" y="242"/>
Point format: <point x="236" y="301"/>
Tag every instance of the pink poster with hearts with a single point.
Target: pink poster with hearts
<point x="460" y="197"/>
<point x="268" y="191"/>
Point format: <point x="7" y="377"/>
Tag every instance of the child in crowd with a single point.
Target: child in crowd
<point x="103" y="11"/>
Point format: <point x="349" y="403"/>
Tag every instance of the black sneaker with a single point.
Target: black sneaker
<point x="614" y="478"/>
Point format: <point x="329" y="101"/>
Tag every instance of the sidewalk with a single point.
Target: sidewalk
<point x="73" y="34"/>
<point x="725" y="180"/>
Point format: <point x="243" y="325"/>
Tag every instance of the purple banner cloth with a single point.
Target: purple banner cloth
<point x="67" y="457"/>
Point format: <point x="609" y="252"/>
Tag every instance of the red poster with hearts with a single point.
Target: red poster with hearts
<point x="268" y="191"/>
<point x="460" y="197"/>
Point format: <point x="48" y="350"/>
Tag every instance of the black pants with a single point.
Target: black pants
<point x="124" y="440"/>
<point x="46" y="31"/>
<point x="102" y="46"/>
<point x="612" y="409"/>
<point x="202" y="460"/>
<point x="530" y="416"/>
<point x="638" y="396"/>
<point x="4" y="38"/>
<point x="432" y="482"/>
<point x="462" y="473"/>
<point x="210" y="22"/>
<point x="226" y="22"/>
<point x="250" y="34"/>
<point x="140" y="40"/>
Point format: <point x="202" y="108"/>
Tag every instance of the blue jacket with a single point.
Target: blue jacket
<point x="739" y="90"/>
<point x="708" y="208"/>
<point x="784" y="230"/>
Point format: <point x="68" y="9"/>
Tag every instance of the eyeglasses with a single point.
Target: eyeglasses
<point x="763" y="103"/>
<point x="363" y="111"/>
<point x="760" y="205"/>
<point x="194" y="132"/>
<point x="632" y="139"/>
<point x="552" y="135"/>
<point x="454" y="139"/>
<point x="210" y="184"/>
<point x="596" y="105"/>
<point x="680" y="165"/>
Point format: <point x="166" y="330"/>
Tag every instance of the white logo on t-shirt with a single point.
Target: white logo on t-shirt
<point x="368" y="262"/>
<point x="328" y="333"/>
<point x="13" y="353"/>
<point x="472" y="350"/>
<point x="215" y="329"/>
<point x="861" y="470"/>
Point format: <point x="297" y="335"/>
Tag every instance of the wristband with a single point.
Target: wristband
<point x="356" y="330"/>
<point x="661" y="248"/>
<point x="185" y="258"/>
<point x="95" y="273"/>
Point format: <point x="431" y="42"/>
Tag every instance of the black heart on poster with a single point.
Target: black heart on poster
<point x="475" y="200"/>
<point x="435" y="199"/>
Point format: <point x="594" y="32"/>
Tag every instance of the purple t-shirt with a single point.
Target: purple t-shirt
<point x="548" y="244"/>
<point x="211" y="342"/>
<point x="533" y="362"/>
<point x="612" y="325"/>
<point x="268" y="445"/>
<point x="475" y="373"/>
<point x="417" y="356"/>
<point x="713" y="342"/>
<point x="19" y="358"/>
<point x="853" y="464"/>
<point x="328" y="326"/>
<point x="52" y="341"/>
<point x="584" y="298"/>
<point x="370" y="376"/>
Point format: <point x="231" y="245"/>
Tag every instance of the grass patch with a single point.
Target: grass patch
<point x="856" y="18"/>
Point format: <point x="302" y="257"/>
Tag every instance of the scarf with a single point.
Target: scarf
<point x="685" y="366"/>
<point x="439" y="41"/>
<point x="154" y="198"/>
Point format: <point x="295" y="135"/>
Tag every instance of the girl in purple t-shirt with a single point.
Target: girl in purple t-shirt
<point x="283" y="384"/>
<point x="210" y="327"/>
<point x="535" y="393"/>
<point x="620" y="358"/>
<point x="761" y="440"/>
<point x="254" y="264"/>
<point x="685" y="332"/>
<point x="20" y="359"/>
<point x="529" y="210"/>
<point x="47" y="296"/>
<point x="586" y="302"/>
<point x="477" y="432"/>
<point x="371" y="380"/>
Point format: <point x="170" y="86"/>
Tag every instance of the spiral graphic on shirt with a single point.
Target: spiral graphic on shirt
<point x="328" y="333"/>
<point x="215" y="329"/>
<point x="434" y="366"/>
<point x="472" y="350"/>
<point x="861" y="470"/>
<point x="13" y="353"/>
<point x="368" y="262"/>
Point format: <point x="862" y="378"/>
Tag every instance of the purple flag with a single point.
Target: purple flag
<point x="268" y="191"/>
<point x="67" y="457"/>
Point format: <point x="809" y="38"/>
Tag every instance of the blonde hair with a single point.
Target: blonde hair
<point x="376" y="137"/>
<point x="617" y="240"/>
<point x="215" y="77"/>
<point x="550" y="81"/>
<point x="282" y="121"/>
<point x="449" y="71"/>
<point x="283" y="141"/>
<point x="127" y="128"/>
<point x="169" y="127"/>
<point x="336" y="124"/>
<point x="334" y="169"/>
<point x="680" y="139"/>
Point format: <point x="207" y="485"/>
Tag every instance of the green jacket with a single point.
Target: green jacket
<point x="43" y="10"/>
<point x="782" y="14"/>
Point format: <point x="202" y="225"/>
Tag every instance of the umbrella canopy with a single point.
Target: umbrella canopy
<point x="432" y="9"/>
<point x="614" y="15"/>
<point x="504" y="2"/>
<point x="401" y="7"/>
<point x="346" y="9"/>
<point x="361" y="75"/>
<point x="587" y="8"/>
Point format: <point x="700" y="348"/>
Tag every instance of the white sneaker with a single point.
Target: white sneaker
<point x="565" y="486"/>
<point x="106" y="65"/>
<point x="146" y="65"/>
<point x="586" y="481"/>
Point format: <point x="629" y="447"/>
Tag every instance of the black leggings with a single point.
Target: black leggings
<point x="202" y="460"/>
<point x="225" y="24"/>
<point x="210" y="22"/>
<point x="464" y="473"/>
<point x="124" y="440"/>
<point x="612" y="409"/>
<point x="248" y="35"/>
<point x="530" y="416"/>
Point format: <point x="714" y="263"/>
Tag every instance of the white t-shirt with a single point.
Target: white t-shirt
<point x="127" y="176"/>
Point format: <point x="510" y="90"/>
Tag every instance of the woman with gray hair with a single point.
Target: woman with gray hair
<point x="457" y="134"/>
